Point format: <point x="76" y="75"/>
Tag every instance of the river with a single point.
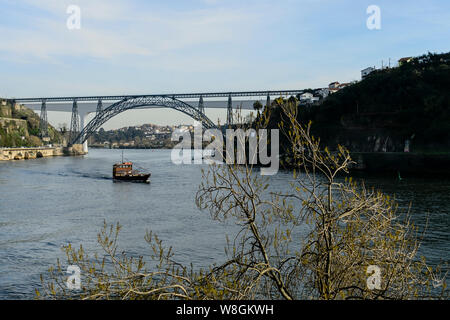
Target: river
<point x="49" y="202"/>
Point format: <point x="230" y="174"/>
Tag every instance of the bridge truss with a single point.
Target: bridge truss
<point x="233" y="94"/>
<point x="126" y="102"/>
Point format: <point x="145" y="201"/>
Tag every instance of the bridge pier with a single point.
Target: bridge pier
<point x="77" y="124"/>
<point x="99" y="106"/>
<point x="201" y="106"/>
<point x="83" y="123"/>
<point x="74" y="122"/>
<point x="43" y="123"/>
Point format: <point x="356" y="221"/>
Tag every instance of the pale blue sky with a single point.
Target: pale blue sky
<point x="137" y="46"/>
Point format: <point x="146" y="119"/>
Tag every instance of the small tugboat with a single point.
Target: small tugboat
<point x="124" y="172"/>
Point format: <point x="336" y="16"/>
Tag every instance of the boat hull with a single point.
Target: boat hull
<point x="133" y="178"/>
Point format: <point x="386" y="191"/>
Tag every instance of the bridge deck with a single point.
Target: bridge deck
<point x="175" y="95"/>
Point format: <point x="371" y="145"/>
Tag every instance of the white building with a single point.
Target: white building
<point x="308" y="97"/>
<point x="367" y="71"/>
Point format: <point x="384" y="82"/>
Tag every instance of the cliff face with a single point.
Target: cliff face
<point x="369" y="133"/>
<point x="11" y="125"/>
<point x="19" y="127"/>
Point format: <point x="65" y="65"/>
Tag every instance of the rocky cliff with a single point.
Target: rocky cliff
<point x="19" y="127"/>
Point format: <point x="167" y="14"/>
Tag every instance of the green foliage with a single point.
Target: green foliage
<point x="126" y="134"/>
<point x="420" y="88"/>
<point x="31" y="132"/>
<point x="257" y="105"/>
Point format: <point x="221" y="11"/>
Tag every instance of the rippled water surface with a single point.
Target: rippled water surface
<point x="48" y="203"/>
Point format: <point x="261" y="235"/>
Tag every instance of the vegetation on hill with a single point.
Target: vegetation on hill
<point x="147" y="136"/>
<point x="122" y="135"/>
<point x="19" y="127"/>
<point x="387" y="109"/>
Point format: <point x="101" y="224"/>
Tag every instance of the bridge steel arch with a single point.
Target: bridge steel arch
<point x="137" y="102"/>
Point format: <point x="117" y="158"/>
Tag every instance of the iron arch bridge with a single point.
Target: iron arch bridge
<point x="129" y="103"/>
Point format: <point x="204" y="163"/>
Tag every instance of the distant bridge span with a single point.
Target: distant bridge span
<point x="173" y="95"/>
<point x="79" y="132"/>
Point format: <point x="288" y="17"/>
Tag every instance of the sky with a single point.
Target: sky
<point x="147" y="47"/>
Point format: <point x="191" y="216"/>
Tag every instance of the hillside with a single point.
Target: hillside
<point x="19" y="127"/>
<point x="389" y="110"/>
<point x="147" y="136"/>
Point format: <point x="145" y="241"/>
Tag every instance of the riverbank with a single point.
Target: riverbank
<point x="27" y="153"/>
<point x="394" y="163"/>
<point x="402" y="162"/>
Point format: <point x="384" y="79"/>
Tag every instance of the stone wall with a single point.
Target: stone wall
<point x="75" y="150"/>
<point x="5" y="110"/>
<point x="29" y="153"/>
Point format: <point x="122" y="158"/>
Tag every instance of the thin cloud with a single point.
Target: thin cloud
<point x="141" y="34"/>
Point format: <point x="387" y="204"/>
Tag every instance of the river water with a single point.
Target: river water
<point x="48" y="203"/>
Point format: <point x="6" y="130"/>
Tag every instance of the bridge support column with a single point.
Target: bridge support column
<point x="43" y="123"/>
<point x="230" y="112"/>
<point x="83" y="123"/>
<point x="268" y="101"/>
<point x="201" y="106"/>
<point x="74" y="123"/>
<point x="99" y="106"/>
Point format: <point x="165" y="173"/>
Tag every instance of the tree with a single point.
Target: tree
<point x="318" y="241"/>
<point x="257" y="105"/>
<point x="351" y="229"/>
<point x="62" y="127"/>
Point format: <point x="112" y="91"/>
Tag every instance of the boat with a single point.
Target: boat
<point x="124" y="172"/>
